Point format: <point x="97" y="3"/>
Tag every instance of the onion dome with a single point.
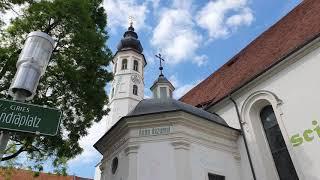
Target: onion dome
<point x="130" y="41"/>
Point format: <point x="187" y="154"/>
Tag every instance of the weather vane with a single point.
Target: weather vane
<point x="131" y="20"/>
<point x="160" y="59"/>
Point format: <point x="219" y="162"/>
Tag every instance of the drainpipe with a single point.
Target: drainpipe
<point x="244" y="137"/>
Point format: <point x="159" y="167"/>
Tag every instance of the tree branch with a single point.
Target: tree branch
<point x="13" y="155"/>
<point x="57" y="44"/>
<point x="4" y="69"/>
<point x="12" y="145"/>
<point x="51" y="26"/>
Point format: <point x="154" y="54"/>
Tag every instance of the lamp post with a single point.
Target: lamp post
<point x="31" y="65"/>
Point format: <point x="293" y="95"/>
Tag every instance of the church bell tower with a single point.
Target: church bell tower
<point x="128" y="84"/>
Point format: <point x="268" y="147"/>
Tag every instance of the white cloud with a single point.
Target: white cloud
<point x="200" y="60"/>
<point x="151" y="59"/>
<point x="90" y="154"/>
<point x="221" y="17"/>
<point x="118" y="12"/>
<point x="182" y="4"/>
<point x="174" y="81"/>
<point x="176" y="32"/>
<point x="175" y="35"/>
<point x="181" y="89"/>
<point x="244" y="18"/>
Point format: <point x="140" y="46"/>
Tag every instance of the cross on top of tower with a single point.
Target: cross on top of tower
<point x="160" y="60"/>
<point x="131" y="20"/>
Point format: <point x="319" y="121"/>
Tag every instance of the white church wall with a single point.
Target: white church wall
<point x="206" y="160"/>
<point x="156" y="161"/>
<point x="245" y="171"/>
<point x="122" y="170"/>
<point x="119" y="109"/>
<point x="295" y="82"/>
<point x="187" y="148"/>
<point x="190" y="152"/>
<point x="227" y="112"/>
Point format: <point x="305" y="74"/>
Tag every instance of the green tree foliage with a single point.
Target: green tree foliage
<point x="76" y="75"/>
<point x="8" y="4"/>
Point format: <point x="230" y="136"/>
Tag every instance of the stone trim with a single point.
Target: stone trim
<point x="131" y="149"/>
<point x="182" y="144"/>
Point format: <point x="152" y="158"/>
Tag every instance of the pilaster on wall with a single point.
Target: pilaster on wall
<point x="102" y="167"/>
<point x="182" y="159"/>
<point x="131" y="152"/>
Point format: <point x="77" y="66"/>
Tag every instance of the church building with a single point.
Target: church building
<point x="256" y="118"/>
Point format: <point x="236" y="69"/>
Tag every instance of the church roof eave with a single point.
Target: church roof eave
<point x="214" y="118"/>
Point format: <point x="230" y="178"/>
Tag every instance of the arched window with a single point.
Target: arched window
<point x="278" y="148"/>
<point x="124" y="64"/>
<point x="135" y="65"/>
<point x="135" y="90"/>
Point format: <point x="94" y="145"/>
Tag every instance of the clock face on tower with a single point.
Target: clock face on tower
<point x="135" y="79"/>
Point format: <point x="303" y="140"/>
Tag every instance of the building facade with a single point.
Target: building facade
<point x="258" y="118"/>
<point x="272" y="92"/>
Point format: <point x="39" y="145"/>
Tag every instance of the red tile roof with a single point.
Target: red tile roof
<point x="297" y="28"/>
<point x="20" y="174"/>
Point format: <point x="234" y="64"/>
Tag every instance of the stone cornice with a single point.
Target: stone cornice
<point x="181" y="144"/>
<point x="186" y="119"/>
<point x="184" y="125"/>
<point x="131" y="149"/>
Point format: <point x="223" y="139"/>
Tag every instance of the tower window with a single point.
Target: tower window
<point x="135" y="90"/>
<point x="135" y="65"/>
<point x="278" y="148"/>
<point x="115" y="67"/>
<point x="215" y="177"/>
<point x="124" y="64"/>
<point x="163" y="92"/>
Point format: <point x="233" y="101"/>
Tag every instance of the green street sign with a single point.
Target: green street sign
<point x="23" y="117"/>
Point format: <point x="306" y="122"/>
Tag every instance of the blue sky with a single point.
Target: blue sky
<point x="195" y="37"/>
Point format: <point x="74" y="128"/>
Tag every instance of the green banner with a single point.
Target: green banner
<point x="23" y="117"/>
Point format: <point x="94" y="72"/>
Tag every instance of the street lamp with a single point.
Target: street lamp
<point x="32" y="64"/>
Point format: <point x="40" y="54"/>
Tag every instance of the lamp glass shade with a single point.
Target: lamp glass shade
<point x="32" y="63"/>
<point x="37" y="51"/>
